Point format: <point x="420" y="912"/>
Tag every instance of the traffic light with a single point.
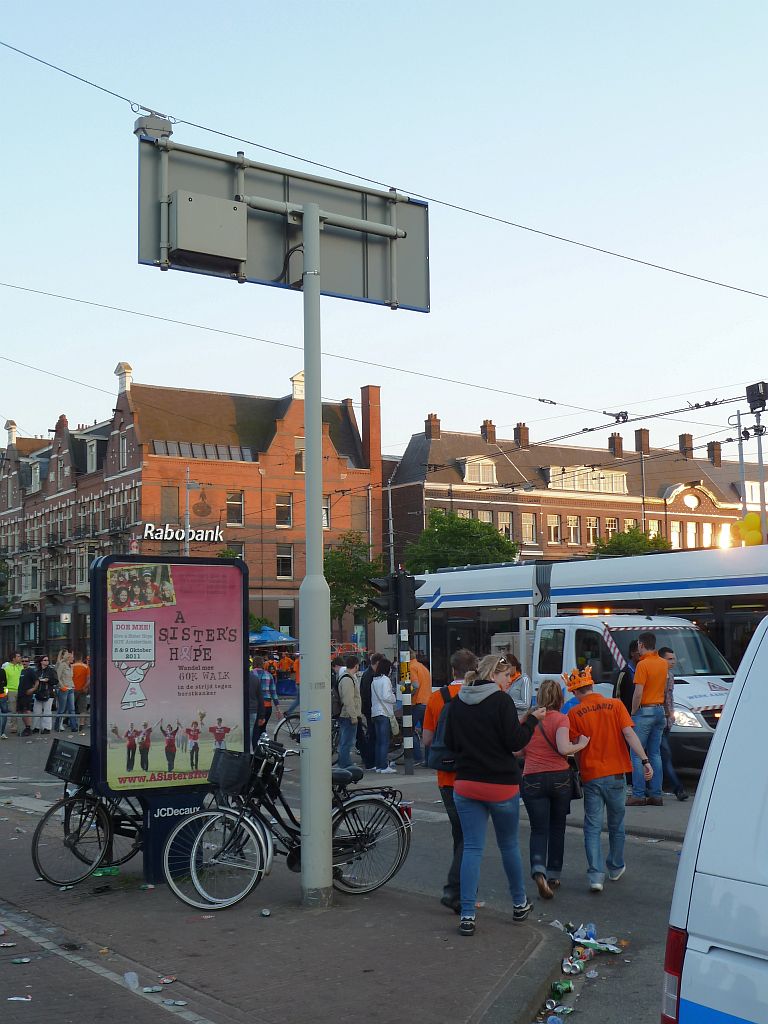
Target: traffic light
<point x="386" y="602"/>
<point x="407" y="602"/>
<point x="757" y="396"/>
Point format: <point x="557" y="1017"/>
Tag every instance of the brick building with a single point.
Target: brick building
<point x="94" y="490"/>
<point x="555" y="500"/>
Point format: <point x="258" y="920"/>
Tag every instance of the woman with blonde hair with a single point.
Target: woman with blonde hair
<point x="546" y="788"/>
<point x="65" y="691"/>
<point x="483" y="731"/>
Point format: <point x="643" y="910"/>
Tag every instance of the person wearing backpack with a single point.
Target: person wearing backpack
<point x="382" y="710"/>
<point x="462" y="661"/>
<point x="43" y="690"/>
<point x="484" y="731"/>
<point x="351" y="709"/>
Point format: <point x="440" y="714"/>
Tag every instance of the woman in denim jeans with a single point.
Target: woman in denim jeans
<point x="483" y="731"/>
<point x="546" y="788"/>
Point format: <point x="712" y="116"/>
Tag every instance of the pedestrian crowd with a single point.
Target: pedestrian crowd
<point x="43" y="695"/>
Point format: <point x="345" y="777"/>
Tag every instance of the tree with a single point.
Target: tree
<point x="257" y="622"/>
<point x="450" y="540"/>
<point x="348" y="567"/>
<point x="634" y="542"/>
<point x="227" y="553"/>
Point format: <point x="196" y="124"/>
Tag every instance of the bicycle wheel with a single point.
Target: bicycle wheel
<point x="71" y="840"/>
<point x="213" y="859"/>
<point x="287" y="731"/>
<point x="371" y="840"/>
<point x="335" y="733"/>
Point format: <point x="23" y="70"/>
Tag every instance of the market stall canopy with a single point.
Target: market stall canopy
<point x="269" y="637"/>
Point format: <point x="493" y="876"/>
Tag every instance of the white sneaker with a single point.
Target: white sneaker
<point x="3" y="736"/>
<point x="596" y="887"/>
<point x="387" y="771"/>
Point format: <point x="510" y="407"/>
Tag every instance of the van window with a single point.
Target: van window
<point x="592" y="651"/>
<point x="551" y="644"/>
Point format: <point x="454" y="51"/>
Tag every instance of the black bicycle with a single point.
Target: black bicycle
<point x="215" y="858"/>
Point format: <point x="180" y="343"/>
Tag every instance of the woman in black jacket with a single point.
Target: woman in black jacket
<point x="483" y="731"/>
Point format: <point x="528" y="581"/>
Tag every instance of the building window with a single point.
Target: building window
<point x="326" y="511"/>
<point x="464" y="513"/>
<point x="284" y="510"/>
<point x="35" y="485"/>
<point x="485" y="515"/>
<point x="585" y="478"/>
<point x="593" y="529"/>
<point x="284" y="562"/>
<point x="528" y="527"/>
<point x="480" y="471"/>
<point x="505" y="524"/>
<point x="238" y="547"/>
<point x="691" y="532"/>
<point x="298" y="458"/>
<point x="90" y="465"/>
<point x="9" y="492"/>
<point x="553" y="529"/>
<point x="285" y="618"/>
<point x="611" y="527"/>
<point x="675" y="534"/>
<point x="574" y="530"/>
<point x="654" y="527"/>
<point x="630" y="524"/>
<point x="706" y="535"/>
<point x="123" y="451"/>
<point x="60" y="472"/>
<point x="235" y="508"/>
<point x="725" y="535"/>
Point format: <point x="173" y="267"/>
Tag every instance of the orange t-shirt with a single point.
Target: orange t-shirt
<point x="80" y="675"/>
<point x="602" y="719"/>
<point x="422" y="682"/>
<point x="285" y="664"/>
<point x="651" y="673"/>
<point x="297" y="670"/>
<point x="435" y="705"/>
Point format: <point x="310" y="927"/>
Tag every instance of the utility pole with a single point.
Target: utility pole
<point x="761" y="477"/>
<point x="391" y="528"/>
<point x="742" y="473"/>
<point x="189" y="485"/>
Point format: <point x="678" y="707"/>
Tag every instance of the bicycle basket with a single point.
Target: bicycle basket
<point x="69" y="761"/>
<point x="230" y="771"/>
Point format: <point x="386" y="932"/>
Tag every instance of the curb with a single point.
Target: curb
<point x="525" y="992"/>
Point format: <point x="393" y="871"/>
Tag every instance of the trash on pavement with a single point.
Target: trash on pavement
<point x="590" y="930"/>
<point x="19" y="999"/>
<point x="146" y="886"/>
<point x="6" y="945"/>
<point x="554" y="1020"/>
<point x="562" y="988"/>
<point x="266" y="913"/>
<point x="174" y="1002"/>
<point x="168" y="979"/>
<point x="21" y="960"/>
<point x="649" y="841"/>
<point x="557" y="924"/>
<point x="152" y="988"/>
<point x="63" y="888"/>
<point x="104" y="951"/>
<point x="131" y="979"/>
<point x="592" y="975"/>
<point x="103" y="872"/>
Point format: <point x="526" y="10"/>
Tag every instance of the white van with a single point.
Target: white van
<point x="716" y="964"/>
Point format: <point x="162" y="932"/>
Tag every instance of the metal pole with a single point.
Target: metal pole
<point x="391" y="528"/>
<point x="761" y="472"/>
<point x="370" y="522"/>
<point x="407" y="694"/>
<point x="314" y="604"/>
<point x="742" y="473"/>
<point x="186" y="514"/>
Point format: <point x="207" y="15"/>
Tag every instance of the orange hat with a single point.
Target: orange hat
<point x="577" y="679"/>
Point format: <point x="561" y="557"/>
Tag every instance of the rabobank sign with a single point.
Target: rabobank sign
<point x="168" y="531"/>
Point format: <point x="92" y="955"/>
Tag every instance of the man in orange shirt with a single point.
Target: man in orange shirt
<point x="462" y="661"/>
<point x="603" y="763"/>
<point x="421" y="681"/>
<point x="81" y="676"/>
<point x="650" y="718"/>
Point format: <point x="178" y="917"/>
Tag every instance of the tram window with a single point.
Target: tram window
<point x="592" y="652"/>
<point x="551" y="644"/>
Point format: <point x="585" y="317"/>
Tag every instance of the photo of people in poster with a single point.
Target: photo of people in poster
<point x="175" y="671"/>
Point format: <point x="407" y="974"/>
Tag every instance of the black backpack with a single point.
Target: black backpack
<point x="440" y="756"/>
<point x="43" y="691"/>
<point x="335" y="695"/>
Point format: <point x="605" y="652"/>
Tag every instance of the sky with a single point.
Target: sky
<point x="632" y="127"/>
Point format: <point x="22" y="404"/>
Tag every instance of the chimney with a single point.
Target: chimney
<point x="10" y="426"/>
<point x="522" y="435"/>
<point x="488" y="430"/>
<point x="432" y="427"/>
<point x="371" y="416"/>
<point x="642" y="441"/>
<point x="124" y="374"/>
<point x="297" y="386"/>
<point x="714" y="452"/>
<point x="616" y="445"/>
<point x="686" y="445"/>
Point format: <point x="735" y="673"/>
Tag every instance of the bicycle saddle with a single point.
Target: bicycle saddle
<point x="343" y="776"/>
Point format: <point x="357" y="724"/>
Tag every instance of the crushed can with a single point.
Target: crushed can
<point x="561" y="988"/>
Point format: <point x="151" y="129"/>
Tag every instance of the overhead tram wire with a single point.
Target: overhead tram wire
<point x="457" y="207"/>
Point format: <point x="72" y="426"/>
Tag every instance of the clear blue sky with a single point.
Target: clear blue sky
<point x="637" y="127"/>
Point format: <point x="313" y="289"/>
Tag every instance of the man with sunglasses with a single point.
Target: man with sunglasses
<point x="13" y="668"/>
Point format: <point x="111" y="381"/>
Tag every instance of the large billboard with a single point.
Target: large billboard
<point x="170" y="657"/>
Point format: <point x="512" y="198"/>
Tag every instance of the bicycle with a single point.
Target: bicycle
<point x="289" y="730"/>
<point x="84" y="830"/>
<point x="215" y="858"/>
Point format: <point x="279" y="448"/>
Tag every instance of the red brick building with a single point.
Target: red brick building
<point x="555" y="500"/>
<point x="95" y="489"/>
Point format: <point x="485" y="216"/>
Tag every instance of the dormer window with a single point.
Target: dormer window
<point x="480" y="471"/>
<point x="60" y="472"/>
<point x="91" y="457"/>
<point x="123" y="451"/>
<point x="35" y="484"/>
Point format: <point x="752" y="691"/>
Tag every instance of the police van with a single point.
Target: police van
<point x="716" y="964"/>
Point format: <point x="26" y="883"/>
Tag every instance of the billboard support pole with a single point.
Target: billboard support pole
<point x="314" y="603"/>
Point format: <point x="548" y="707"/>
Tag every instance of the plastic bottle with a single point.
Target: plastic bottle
<point x="591" y="930"/>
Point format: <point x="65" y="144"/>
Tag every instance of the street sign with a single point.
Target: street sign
<point x="223" y="215"/>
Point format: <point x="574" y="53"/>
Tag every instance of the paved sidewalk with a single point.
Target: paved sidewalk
<point x="375" y="959"/>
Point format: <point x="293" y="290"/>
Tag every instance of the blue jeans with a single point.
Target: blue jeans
<point x="65" y="708"/>
<point x="505" y="815"/>
<point x="382" y="734"/>
<point x="607" y="793"/>
<point x="649" y="726"/>
<point x="293" y="705"/>
<point x="417" y="710"/>
<point x="547" y="798"/>
<point x="347" y="733"/>
<point x="669" y="769"/>
<point x="3" y="714"/>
